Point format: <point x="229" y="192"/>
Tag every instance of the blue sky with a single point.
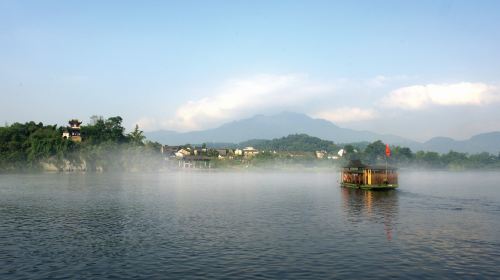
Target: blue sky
<point x="413" y="68"/>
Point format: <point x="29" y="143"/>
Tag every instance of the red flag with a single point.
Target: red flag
<point x="387" y="150"/>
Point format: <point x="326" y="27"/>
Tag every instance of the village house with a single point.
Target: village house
<point x="169" y="151"/>
<point x="183" y="153"/>
<point x="320" y="154"/>
<point x="225" y="153"/>
<point x="341" y="152"/>
<point x="222" y="153"/>
<point x="250" y="152"/>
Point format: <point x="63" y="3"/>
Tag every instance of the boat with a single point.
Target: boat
<point x="360" y="176"/>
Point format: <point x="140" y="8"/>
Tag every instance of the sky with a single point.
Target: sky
<point x="416" y="69"/>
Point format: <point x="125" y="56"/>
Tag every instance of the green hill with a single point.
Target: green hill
<point x="293" y="142"/>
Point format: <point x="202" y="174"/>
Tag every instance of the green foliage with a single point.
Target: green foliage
<point x="23" y="145"/>
<point x="428" y="159"/>
<point x="212" y="153"/>
<point x="350" y="153"/>
<point x="374" y="152"/>
<point x="402" y="155"/>
<point x="110" y="130"/>
<point x="104" y="147"/>
<point x="294" y="142"/>
<point x="349" y="149"/>
<point x="137" y="136"/>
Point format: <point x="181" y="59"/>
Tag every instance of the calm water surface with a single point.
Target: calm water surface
<point x="248" y="225"/>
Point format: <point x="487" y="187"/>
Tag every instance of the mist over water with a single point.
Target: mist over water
<point x="247" y="225"/>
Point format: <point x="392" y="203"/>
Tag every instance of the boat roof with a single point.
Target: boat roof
<point x="355" y="164"/>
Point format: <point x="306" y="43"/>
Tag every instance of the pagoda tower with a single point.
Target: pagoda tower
<point x="73" y="131"/>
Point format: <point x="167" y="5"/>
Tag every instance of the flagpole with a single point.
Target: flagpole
<point x="387" y="155"/>
<point x="386" y="179"/>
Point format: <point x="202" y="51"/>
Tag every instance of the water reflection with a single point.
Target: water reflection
<point x="375" y="206"/>
<point x="246" y="226"/>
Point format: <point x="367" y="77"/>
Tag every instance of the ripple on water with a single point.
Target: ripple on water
<point x="242" y="226"/>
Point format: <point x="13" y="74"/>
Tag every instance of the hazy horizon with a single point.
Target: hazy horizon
<point x="414" y="69"/>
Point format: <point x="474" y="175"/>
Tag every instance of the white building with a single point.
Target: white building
<point x="182" y="153"/>
<point x="250" y="152"/>
<point x="321" y="154"/>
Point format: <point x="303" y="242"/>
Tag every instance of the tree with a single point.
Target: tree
<point x="453" y="158"/>
<point x="293" y="142"/>
<point x="402" y="155"/>
<point x="115" y="129"/>
<point x="429" y="159"/>
<point x="349" y="149"/>
<point x="110" y="130"/>
<point x="136" y="136"/>
<point x="374" y="152"/>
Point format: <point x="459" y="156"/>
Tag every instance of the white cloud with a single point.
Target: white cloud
<point x="382" y="80"/>
<point x="347" y="114"/>
<point x="239" y="97"/>
<point x="421" y="96"/>
<point x="353" y="101"/>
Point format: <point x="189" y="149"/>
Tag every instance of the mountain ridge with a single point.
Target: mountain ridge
<point x="269" y="127"/>
<point x="287" y="123"/>
<point x="483" y="142"/>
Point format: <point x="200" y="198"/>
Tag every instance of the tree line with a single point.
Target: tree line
<point x="370" y="153"/>
<point x="374" y="153"/>
<point x="106" y="146"/>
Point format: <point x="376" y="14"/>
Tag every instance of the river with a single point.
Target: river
<point x="246" y="225"/>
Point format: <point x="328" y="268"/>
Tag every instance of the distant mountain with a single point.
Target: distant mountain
<point x="276" y="126"/>
<point x="287" y="123"/>
<point x="486" y="142"/>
